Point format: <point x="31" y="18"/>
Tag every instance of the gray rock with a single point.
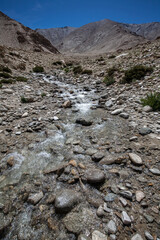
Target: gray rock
<point x="139" y="196"/>
<point x="117" y="111"/>
<point x="126" y="194"/>
<point x="110" y="197"/>
<point x="100" y="212"/>
<point x="97" y="235"/>
<point x="135" y="159"/>
<point x="78" y="150"/>
<point x="35" y="198"/>
<point x="91" y="151"/>
<point x="149" y="218"/>
<point x="144" y="131"/>
<point x="125" y="218"/>
<point x="155" y="171"/>
<point x="109" y="104"/>
<point x="108" y="160"/>
<point x="123" y="201"/>
<point x="95" y="176"/>
<point x="84" y="122"/>
<point x="148" y="236"/>
<point x="147" y="109"/>
<point x="137" y="237"/>
<point x="66" y="200"/>
<point x="5" y="221"/>
<point x="67" y="104"/>
<point x="97" y="156"/>
<point x="111" y="227"/>
<point x="83" y="237"/>
<point x="124" y="115"/>
<point x="113" y="237"/>
<point x="9" y="91"/>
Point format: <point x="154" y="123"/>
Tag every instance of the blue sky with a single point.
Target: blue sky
<point x="60" y="13"/>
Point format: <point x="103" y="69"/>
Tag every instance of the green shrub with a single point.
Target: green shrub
<point x="21" y="79"/>
<point x="26" y="99"/>
<point x="7" y="81"/>
<point x="0" y="85"/>
<point x="77" y="70"/>
<point x="109" y="80"/>
<point x="152" y="100"/>
<point x="5" y="69"/>
<point x="43" y="94"/>
<point x="5" y="75"/>
<point x="136" y="73"/>
<point x="38" y="69"/>
<point x="66" y="70"/>
<point x="111" y="71"/>
<point x="87" y="71"/>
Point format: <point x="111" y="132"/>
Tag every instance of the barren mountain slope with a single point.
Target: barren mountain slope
<point x="14" y="34"/>
<point x="150" y="31"/>
<point x="56" y="35"/>
<point x="99" y="37"/>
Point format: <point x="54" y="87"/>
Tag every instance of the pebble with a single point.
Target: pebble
<point x="109" y="103"/>
<point x="110" y="197"/>
<point x="117" y="111"/>
<point x="9" y="91"/>
<point x="35" y="198"/>
<point x="67" y="104"/>
<point x="139" y="196"/>
<point x="96" y="235"/>
<point x="97" y="156"/>
<point x="137" y="237"/>
<point x="95" y="176"/>
<point x="155" y="171"/>
<point x="144" y="131"/>
<point x="148" y="236"/>
<point x="124" y="115"/>
<point x="66" y="200"/>
<point x="83" y="122"/>
<point x="83" y="237"/>
<point x="126" y="194"/>
<point x="123" y="201"/>
<point x="125" y="218"/>
<point x="25" y="114"/>
<point x="135" y="159"/>
<point x="147" y="109"/>
<point x="111" y="227"/>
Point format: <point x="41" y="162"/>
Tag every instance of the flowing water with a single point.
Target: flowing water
<point x="56" y="148"/>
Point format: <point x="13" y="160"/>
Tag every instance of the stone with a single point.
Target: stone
<point x="65" y="200"/>
<point x="144" y="131"/>
<point x="35" y="198"/>
<point x="25" y="114"/>
<point x="97" y="235"/>
<point x="124" y="115"/>
<point x="147" y="109"/>
<point x="5" y="221"/>
<point x="108" y="160"/>
<point x="67" y="104"/>
<point x="73" y="163"/>
<point x="83" y="237"/>
<point x="97" y="156"/>
<point x="125" y="218"/>
<point x="83" y="122"/>
<point x="149" y="218"/>
<point x="123" y="201"/>
<point x="155" y="171"/>
<point x="148" y="236"/>
<point x="9" y="91"/>
<point x="111" y="227"/>
<point x="109" y="103"/>
<point x="100" y="212"/>
<point x="135" y="159"/>
<point x="134" y="138"/>
<point x="110" y="197"/>
<point x="95" y="176"/>
<point x="117" y="111"/>
<point x="112" y="237"/>
<point x="10" y="161"/>
<point x="126" y="194"/>
<point x="139" y="196"/>
<point x="137" y="237"/>
<point x="91" y="151"/>
<point x="78" y="150"/>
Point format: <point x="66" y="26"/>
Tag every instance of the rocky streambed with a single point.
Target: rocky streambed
<point x="85" y="170"/>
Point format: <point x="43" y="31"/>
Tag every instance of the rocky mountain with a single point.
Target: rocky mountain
<point x="150" y="31"/>
<point x="56" y="35"/>
<point x="14" y="34"/>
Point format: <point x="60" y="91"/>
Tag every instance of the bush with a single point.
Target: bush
<point x="77" y="70"/>
<point x="111" y="71"/>
<point x="136" y="73"/>
<point x="109" y="80"/>
<point x="7" y="81"/>
<point x="5" y="75"/>
<point x="38" y="69"/>
<point x="152" y="100"/>
<point x="5" y="69"/>
<point x="26" y="99"/>
<point x="66" y="70"/>
<point x="0" y="85"/>
<point x="21" y="79"/>
<point x="87" y="71"/>
<point x="43" y="94"/>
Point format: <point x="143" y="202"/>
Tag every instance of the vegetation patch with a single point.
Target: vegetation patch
<point x="38" y="69"/>
<point x="136" y="73"/>
<point x="43" y="94"/>
<point x="1" y="85"/>
<point x="7" y="81"/>
<point x="87" y="71"/>
<point x="21" y="79"/>
<point x="77" y="70"/>
<point x="5" y="75"/>
<point x="58" y="63"/>
<point x="152" y="100"/>
<point x="5" y="69"/>
<point x="109" y="80"/>
<point x="26" y="100"/>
